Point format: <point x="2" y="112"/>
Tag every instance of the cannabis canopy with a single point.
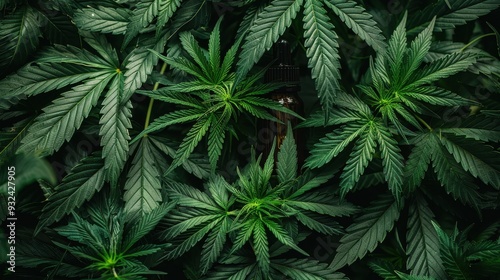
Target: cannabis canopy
<point x="134" y="131"/>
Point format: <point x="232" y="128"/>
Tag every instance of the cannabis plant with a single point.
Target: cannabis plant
<point x="102" y="242"/>
<point x="133" y="128"/>
<point x="213" y="99"/>
<point x="253" y="213"/>
<point x="398" y="107"/>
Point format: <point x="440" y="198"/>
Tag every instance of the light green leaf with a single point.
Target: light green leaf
<point x="417" y="51"/>
<point x="437" y="96"/>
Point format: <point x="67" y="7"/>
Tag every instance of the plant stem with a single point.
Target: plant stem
<point x="424" y="123"/>
<point x="151" y="100"/>
<point x="475" y="40"/>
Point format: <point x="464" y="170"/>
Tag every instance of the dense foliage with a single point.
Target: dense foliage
<point x="134" y="127"/>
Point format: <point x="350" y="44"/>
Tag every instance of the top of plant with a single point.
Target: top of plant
<point x="254" y="210"/>
<point x="211" y="98"/>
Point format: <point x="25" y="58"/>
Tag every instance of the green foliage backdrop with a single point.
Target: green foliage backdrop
<point x="134" y="129"/>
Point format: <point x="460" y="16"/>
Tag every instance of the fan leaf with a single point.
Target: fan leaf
<point x="367" y="231"/>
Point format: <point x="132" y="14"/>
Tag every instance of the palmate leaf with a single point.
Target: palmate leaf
<point x="34" y="79"/>
<point x="194" y="237"/>
<point x="143" y="185"/>
<point x="19" y="36"/>
<point x="423" y="242"/>
<point x="103" y="19"/>
<point x="191" y="197"/>
<point x="460" y="12"/>
<point x="59" y="120"/>
<point x="271" y="23"/>
<point x="304" y="269"/>
<point x="115" y="123"/>
<point x="453" y="257"/>
<point x="86" y="233"/>
<point x="367" y="230"/>
<point x="79" y="185"/>
<point x="322" y="51"/>
<point x="359" y="21"/>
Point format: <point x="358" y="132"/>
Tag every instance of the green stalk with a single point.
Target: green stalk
<point x="151" y="100"/>
<point x="475" y="40"/>
<point x="424" y="123"/>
